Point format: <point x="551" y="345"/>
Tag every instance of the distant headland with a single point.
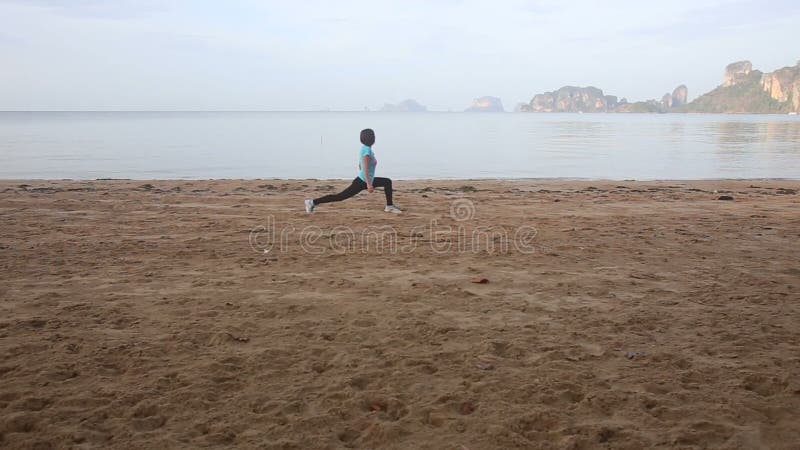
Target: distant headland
<point x="743" y="90"/>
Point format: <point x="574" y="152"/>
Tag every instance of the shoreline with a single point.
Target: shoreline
<point x="212" y="111"/>
<point x="414" y="180"/>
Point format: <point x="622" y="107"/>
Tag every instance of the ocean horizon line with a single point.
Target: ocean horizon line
<point x="222" y="110"/>
<point x="356" y="111"/>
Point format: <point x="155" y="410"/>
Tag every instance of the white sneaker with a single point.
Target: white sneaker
<point x="393" y="209"/>
<point x="310" y="206"/>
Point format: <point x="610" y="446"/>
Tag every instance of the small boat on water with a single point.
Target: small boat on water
<point x="793" y="113"/>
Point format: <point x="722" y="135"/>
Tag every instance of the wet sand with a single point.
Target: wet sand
<point x="167" y="314"/>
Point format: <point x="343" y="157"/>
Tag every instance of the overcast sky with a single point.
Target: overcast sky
<point x="347" y="54"/>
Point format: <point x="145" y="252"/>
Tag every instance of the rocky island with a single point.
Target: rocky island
<point x="409" y="105"/>
<point x="743" y="90"/>
<point x="486" y="104"/>
<point x="571" y="99"/>
<point x="592" y="100"/>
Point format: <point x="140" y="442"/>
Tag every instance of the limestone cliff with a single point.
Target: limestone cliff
<point x="737" y="72"/>
<point x="680" y="95"/>
<point x="796" y="97"/>
<point x="783" y="85"/>
<point x="745" y="90"/>
<point x="592" y="100"/>
<point x="611" y="102"/>
<point x="572" y="99"/>
<point x="486" y="104"/>
<point x="666" y="101"/>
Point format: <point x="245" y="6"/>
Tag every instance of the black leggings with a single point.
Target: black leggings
<point x="357" y="186"/>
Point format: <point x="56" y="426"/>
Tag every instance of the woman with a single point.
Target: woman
<point x="366" y="179"/>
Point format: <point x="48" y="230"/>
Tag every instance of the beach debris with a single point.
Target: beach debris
<point x="634" y="355"/>
<point x="484" y="365"/>
<point x="479" y="280"/>
<point x="725" y="197"/>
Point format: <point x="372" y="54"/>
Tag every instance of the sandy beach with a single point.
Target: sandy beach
<point x="491" y="314"/>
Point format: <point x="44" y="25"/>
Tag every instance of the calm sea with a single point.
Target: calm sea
<point x="162" y="145"/>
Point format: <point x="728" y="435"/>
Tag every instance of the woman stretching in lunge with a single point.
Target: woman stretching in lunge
<point x="366" y="179"/>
